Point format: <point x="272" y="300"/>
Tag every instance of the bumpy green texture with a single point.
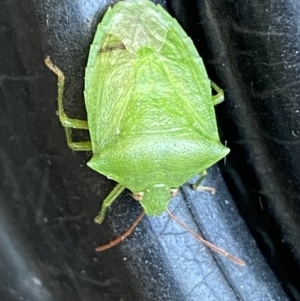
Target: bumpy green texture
<point x="149" y="102"/>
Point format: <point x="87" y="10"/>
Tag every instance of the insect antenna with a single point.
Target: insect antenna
<point x="207" y="243"/>
<point x="121" y="237"/>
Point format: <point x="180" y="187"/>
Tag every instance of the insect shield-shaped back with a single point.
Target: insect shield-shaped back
<point x="150" y="110"/>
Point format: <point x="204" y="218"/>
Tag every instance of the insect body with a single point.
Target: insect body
<point x="150" y="108"/>
<point x="149" y="103"/>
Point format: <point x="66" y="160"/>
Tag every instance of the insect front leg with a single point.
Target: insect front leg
<point x="108" y="201"/>
<point x="198" y="186"/>
<point x="219" y="97"/>
<point x="68" y="123"/>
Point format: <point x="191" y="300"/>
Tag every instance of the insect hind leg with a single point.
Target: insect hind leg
<point x="67" y="122"/>
<point x="219" y="97"/>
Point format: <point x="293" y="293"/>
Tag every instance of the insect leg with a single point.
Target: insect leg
<point x="219" y="97"/>
<point x="198" y="186"/>
<point x="77" y="146"/>
<point x="67" y="122"/>
<point x="108" y="201"/>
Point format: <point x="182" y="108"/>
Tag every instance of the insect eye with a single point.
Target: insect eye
<point x="173" y="192"/>
<point x="138" y="196"/>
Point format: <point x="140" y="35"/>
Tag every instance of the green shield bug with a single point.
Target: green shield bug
<point x="150" y="108"/>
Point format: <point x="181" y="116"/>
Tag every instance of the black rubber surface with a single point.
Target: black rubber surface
<point x="48" y="196"/>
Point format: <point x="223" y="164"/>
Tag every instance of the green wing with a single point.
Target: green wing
<point x="148" y="99"/>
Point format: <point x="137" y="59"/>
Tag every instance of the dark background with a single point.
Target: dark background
<point x="48" y="196"/>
